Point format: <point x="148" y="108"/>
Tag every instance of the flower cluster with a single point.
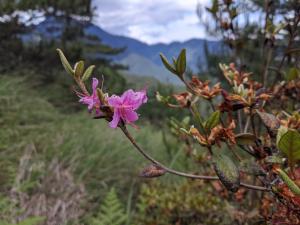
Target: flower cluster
<point x="202" y="88"/>
<point x="123" y="107"/>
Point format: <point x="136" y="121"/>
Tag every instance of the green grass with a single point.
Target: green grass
<point x="98" y="156"/>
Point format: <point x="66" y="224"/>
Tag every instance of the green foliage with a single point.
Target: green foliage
<point x="65" y="62"/>
<point x="9" y="211"/>
<point x="96" y="159"/>
<point x="182" y="203"/>
<point x="212" y="120"/>
<point x="166" y="63"/>
<point x="56" y="135"/>
<point x="39" y="58"/>
<point x="28" y="221"/>
<point x="289" y="182"/>
<point x="111" y="211"/>
<point x="23" y="122"/>
<point x="179" y="64"/>
<point x="68" y="7"/>
<point x="293" y="74"/>
<point x="88" y="73"/>
<point x="289" y="143"/>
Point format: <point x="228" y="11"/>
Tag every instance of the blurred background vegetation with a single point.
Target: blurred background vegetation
<point x="58" y="166"/>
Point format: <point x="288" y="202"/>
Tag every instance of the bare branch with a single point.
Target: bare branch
<point x="178" y="173"/>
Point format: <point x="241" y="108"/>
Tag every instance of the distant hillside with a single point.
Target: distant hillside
<point x="142" y="59"/>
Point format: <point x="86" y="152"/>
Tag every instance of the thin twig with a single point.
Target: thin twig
<point x="239" y="118"/>
<point x="252" y="122"/>
<point x="247" y="124"/>
<point x="131" y="139"/>
<point x="178" y="173"/>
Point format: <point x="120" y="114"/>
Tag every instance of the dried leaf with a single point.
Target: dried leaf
<point x="245" y="139"/>
<point x="269" y="120"/>
<point x="152" y="171"/>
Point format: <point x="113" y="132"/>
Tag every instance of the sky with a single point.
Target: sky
<point x="150" y="21"/>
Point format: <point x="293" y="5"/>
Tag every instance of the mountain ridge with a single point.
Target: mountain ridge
<point x="138" y="55"/>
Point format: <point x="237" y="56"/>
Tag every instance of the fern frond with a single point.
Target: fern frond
<point x="112" y="211"/>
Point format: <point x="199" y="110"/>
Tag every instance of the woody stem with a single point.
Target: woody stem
<point x="178" y="173"/>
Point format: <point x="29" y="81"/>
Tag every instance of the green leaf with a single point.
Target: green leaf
<point x="245" y="139"/>
<point x="112" y="211"/>
<point x="269" y="120"/>
<point x="88" y="72"/>
<point x="213" y="120"/>
<point x="183" y="130"/>
<point x="79" y="68"/>
<point x="289" y="182"/>
<point x="289" y="144"/>
<point x="65" y="62"/>
<point x="181" y="63"/>
<point x="281" y="131"/>
<point x="167" y="64"/>
<point x="293" y="74"/>
<point x="227" y="172"/>
<point x="198" y="118"/>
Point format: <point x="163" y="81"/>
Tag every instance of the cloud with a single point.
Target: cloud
<point x="150" y="21"/>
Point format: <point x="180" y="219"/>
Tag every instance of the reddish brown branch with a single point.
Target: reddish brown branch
<point x="178" y="173"/>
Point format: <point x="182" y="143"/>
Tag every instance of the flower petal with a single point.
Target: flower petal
<point x="95" y="84"/>
<point x="116" y="118"/>
<point x="114" y="101"/>
<point x="130" y="115"/>
<point x="134" y="99"/>
<point x="143" y="95"/>
<point x="126" y="96"/>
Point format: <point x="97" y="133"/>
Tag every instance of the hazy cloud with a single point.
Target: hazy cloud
<point x="151" y="21"/>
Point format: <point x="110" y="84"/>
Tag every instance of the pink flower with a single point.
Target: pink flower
<point x="125" y="106"/>
<point x="92" y="101"/>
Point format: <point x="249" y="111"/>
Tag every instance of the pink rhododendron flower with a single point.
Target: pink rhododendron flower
<point x="125" y="106"/>
<point x="92" y="101"/>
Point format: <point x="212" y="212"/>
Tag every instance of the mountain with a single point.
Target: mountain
<point x="143" y="59"/>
